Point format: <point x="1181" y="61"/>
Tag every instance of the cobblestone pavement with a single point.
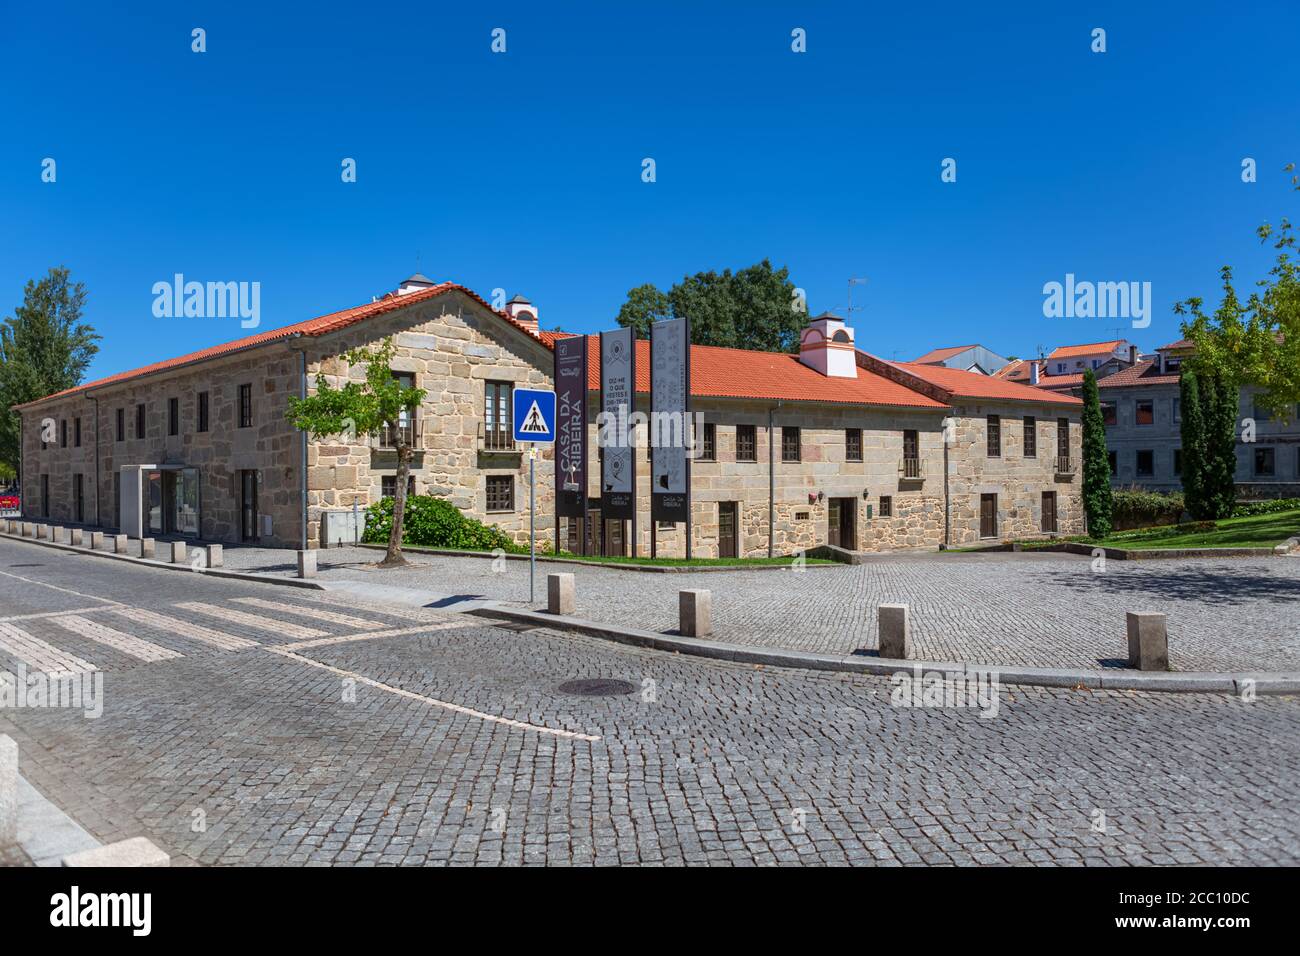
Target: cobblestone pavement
<point x="458" y="745"/>
<point x="1047" y="610"/>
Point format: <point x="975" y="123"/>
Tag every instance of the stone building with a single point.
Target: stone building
<point x="829" y="446"/>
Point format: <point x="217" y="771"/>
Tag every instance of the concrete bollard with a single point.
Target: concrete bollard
<point x="146" y="548"/>
<point x="56" y="534"/>
<point x="119" y="543"/>
<point x="214" y="556"/>
<point x="694" y="612"/>
<point x="1148" y="641"/>
<point x="895" y="632"/>
<point x="306" y="564"/>
<point x="8" y="791"/>
<point x="43" y="532"/>
<point x="29" y="529"/>
<point x="136" y="851"/>
<point x="96" y="539"/>
<point x="561" y="593"/>
<point x="177" y="552"/>
<point x="75" y="537"/>
<point x="14" y="527"/>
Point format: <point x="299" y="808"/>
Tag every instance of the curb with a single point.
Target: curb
<point x="1145" y="554"/>
<point x="610" y="566"/>
<point x="169" y="566"/>
<point x="1169" y="682"/>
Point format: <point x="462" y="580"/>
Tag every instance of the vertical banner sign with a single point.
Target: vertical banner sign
<point x="670" y="425"/>
<point x="571" y="427"/>
<point x="618" y="402"/>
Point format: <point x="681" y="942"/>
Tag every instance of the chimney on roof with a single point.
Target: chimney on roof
<point x="1132" y="355"/>
<point x="827" y="346"/>
<point x="414" y="284"/>
<point x="523" y="312"/>
<point x="1033" y="373"/>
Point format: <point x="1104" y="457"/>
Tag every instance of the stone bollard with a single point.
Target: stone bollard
<point x="136" y="851"/>
<point x="96" y="539"/>
<point x="306" y="564"/>
<point x="56" y="534"/>
<point x="15" y="527"/>
<point x="43" y="532"/>
<point x="1148" y="641"/>
<point x="146" y="548"/>
<point x="8" y="791"/>
<point x="561" y="593"/>
<point x="75" y="537"/>
<point x="119" y="543"/>
<point x="895" y="632"/>
<point x="213" y="555"/>
<point x="178" y="552"/>
<point x="694" y="612"/>
<point x="29" y="529"/>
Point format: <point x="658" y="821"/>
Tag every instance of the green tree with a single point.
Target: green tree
<point x="1257" y="342"/>
<point x="379" y="403"/>
<point x="1098" y="505"/>
<point x="1219" y="402"/>
<point x="755" y="308"/>
<point x="1193" y="443"/>
<point x="44" y="348"/>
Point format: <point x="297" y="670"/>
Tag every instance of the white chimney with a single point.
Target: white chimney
<point x="414" y="284"/>
<point x="827" y="346"/>
<point x="1033" y="373"/>
<point x="523" y="312"/>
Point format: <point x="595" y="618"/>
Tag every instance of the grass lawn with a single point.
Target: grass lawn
<point x="1258" y="531"/>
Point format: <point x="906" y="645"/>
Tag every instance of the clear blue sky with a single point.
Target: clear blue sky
<point x="522" y="170"/>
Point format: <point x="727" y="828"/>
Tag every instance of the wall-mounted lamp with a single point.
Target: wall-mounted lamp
<point x="821" y="496"/>
<point x="866" y="493"/>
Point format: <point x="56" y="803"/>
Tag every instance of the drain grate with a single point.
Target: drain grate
<point x="596" y="687"/>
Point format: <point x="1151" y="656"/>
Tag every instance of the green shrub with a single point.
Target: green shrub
<point x="1136" y="508"/>
<point x="1246" y="509"/>
<point x="430" y="522"/>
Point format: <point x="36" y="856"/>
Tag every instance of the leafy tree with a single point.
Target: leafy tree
<point x="755" y="308"/>
<point x="1097" y="502"/>
<point x="380" y="402"/>
<point x="1193" y="442"/>
<point x="1219" y="401"/>
<point x="44" y="348"/>
<point x="1257" y="342"/>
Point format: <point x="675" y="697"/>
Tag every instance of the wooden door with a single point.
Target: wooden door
<point x="833" y="524"/>
<point x="727" y="529"/>
<point x="988" y="516"/>
<point x="1049" y="512"/>
<point x="847" y="522"/>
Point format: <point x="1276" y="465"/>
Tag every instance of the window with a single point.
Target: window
<point x="911" y="454"/>
<point x="121" y="424"/>
<point x="1260" y="413"/>
<point x="1146" y="466"/>
<point x="995" y="436"/>
<point x="500" y="492"/>
<point x="1178" y="461"/>
<point x="1265" y="462"/>
<point x="790" y="443"/>
<point x="173" y="416"/>
<point x="202" y="424"/>
<point x="853" y="444"/>
<point x="1113" y="458"/>
<point x="246" y="406"/>
<point x="388" y="486"/>
<point x="1145" y="413"/>
<point x="63" y="433"/>
<point x="1063" y="439"/>
<point x="1031" y="437"/>
<point x="139" y="420"/>
<point x="709" y="447"/>
<point x="1178" y="410"/>
<point x="498" y="430"/>
<point x="45" y="496"/>
<point x="1109" y="413"/>
<point x="76" y="432"/>
<point x="79" y="497"/>
<point x="746" y="443"/>
<point x="886" y="506"/>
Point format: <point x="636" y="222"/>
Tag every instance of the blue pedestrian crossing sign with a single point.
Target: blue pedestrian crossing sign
<point x="534" y="414"/>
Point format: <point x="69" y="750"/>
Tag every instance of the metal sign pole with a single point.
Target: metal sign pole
<point x="532" y="520"/>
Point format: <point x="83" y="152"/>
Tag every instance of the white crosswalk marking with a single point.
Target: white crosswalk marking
<point x="296" y="631"/>
<point x="186" y="629"/>
<point x="103" y="634"/>
<point x="39" y="655"/>
<point x="360" y="623"/>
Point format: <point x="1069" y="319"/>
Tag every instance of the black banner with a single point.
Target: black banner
<point x="571" y="427"/>
<point x="670" y="421"/>
<point x="617" y="403"/>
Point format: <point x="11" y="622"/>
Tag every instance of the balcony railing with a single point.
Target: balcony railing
<point x="388" y="436"/>
<point x="1065" y="466"/>
<point x="495" y="437"/>
<point x="912" y="469"/>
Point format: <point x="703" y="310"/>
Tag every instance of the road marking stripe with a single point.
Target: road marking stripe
<point x="185" y="629"/>
<point x="43" y="614"/>
<point x="457" y="708"/>
<point x="347" y="620"/>
<point x="55" y="587"/>
<point x="253" y="620"/>
<point x="136" y="647"/>
<point x="371" y="635"/>
<point x="39" y="655"/>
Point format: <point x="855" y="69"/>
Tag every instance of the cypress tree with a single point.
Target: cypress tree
<point x="1221" y="448"/>
<point x="1097" y="502"/>
<point x="1194" y="450"/>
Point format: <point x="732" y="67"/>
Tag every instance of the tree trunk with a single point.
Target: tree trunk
<point x="393" y="558"/>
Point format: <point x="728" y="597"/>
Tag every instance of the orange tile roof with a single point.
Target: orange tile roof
<point x="1095" y="348"/>
<point x="940" y="355"/>
<point x="313" y="327"/>
<point x="1014" y="371"/>
<point x="962" y="384"/>
<point x="1143" y="373"/>
<point x="768" y="376"/>
<point x="1180" y="344"/>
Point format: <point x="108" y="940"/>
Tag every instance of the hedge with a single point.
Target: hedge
<point x="1245" y="509"/>
<point x="430" y="522"/>
<point x="1135" y="508"/>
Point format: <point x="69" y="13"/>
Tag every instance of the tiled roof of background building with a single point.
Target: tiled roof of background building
<point x="942" y="355"/>
<point x="1143" y="373"/>
<point x="1095" y="348"/>
<point x="962" y="384"/>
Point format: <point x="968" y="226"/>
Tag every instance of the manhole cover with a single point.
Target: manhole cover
<point x="596" y="687"/>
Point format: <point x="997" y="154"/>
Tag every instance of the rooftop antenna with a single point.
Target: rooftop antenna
<point x="852" y="282"/>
